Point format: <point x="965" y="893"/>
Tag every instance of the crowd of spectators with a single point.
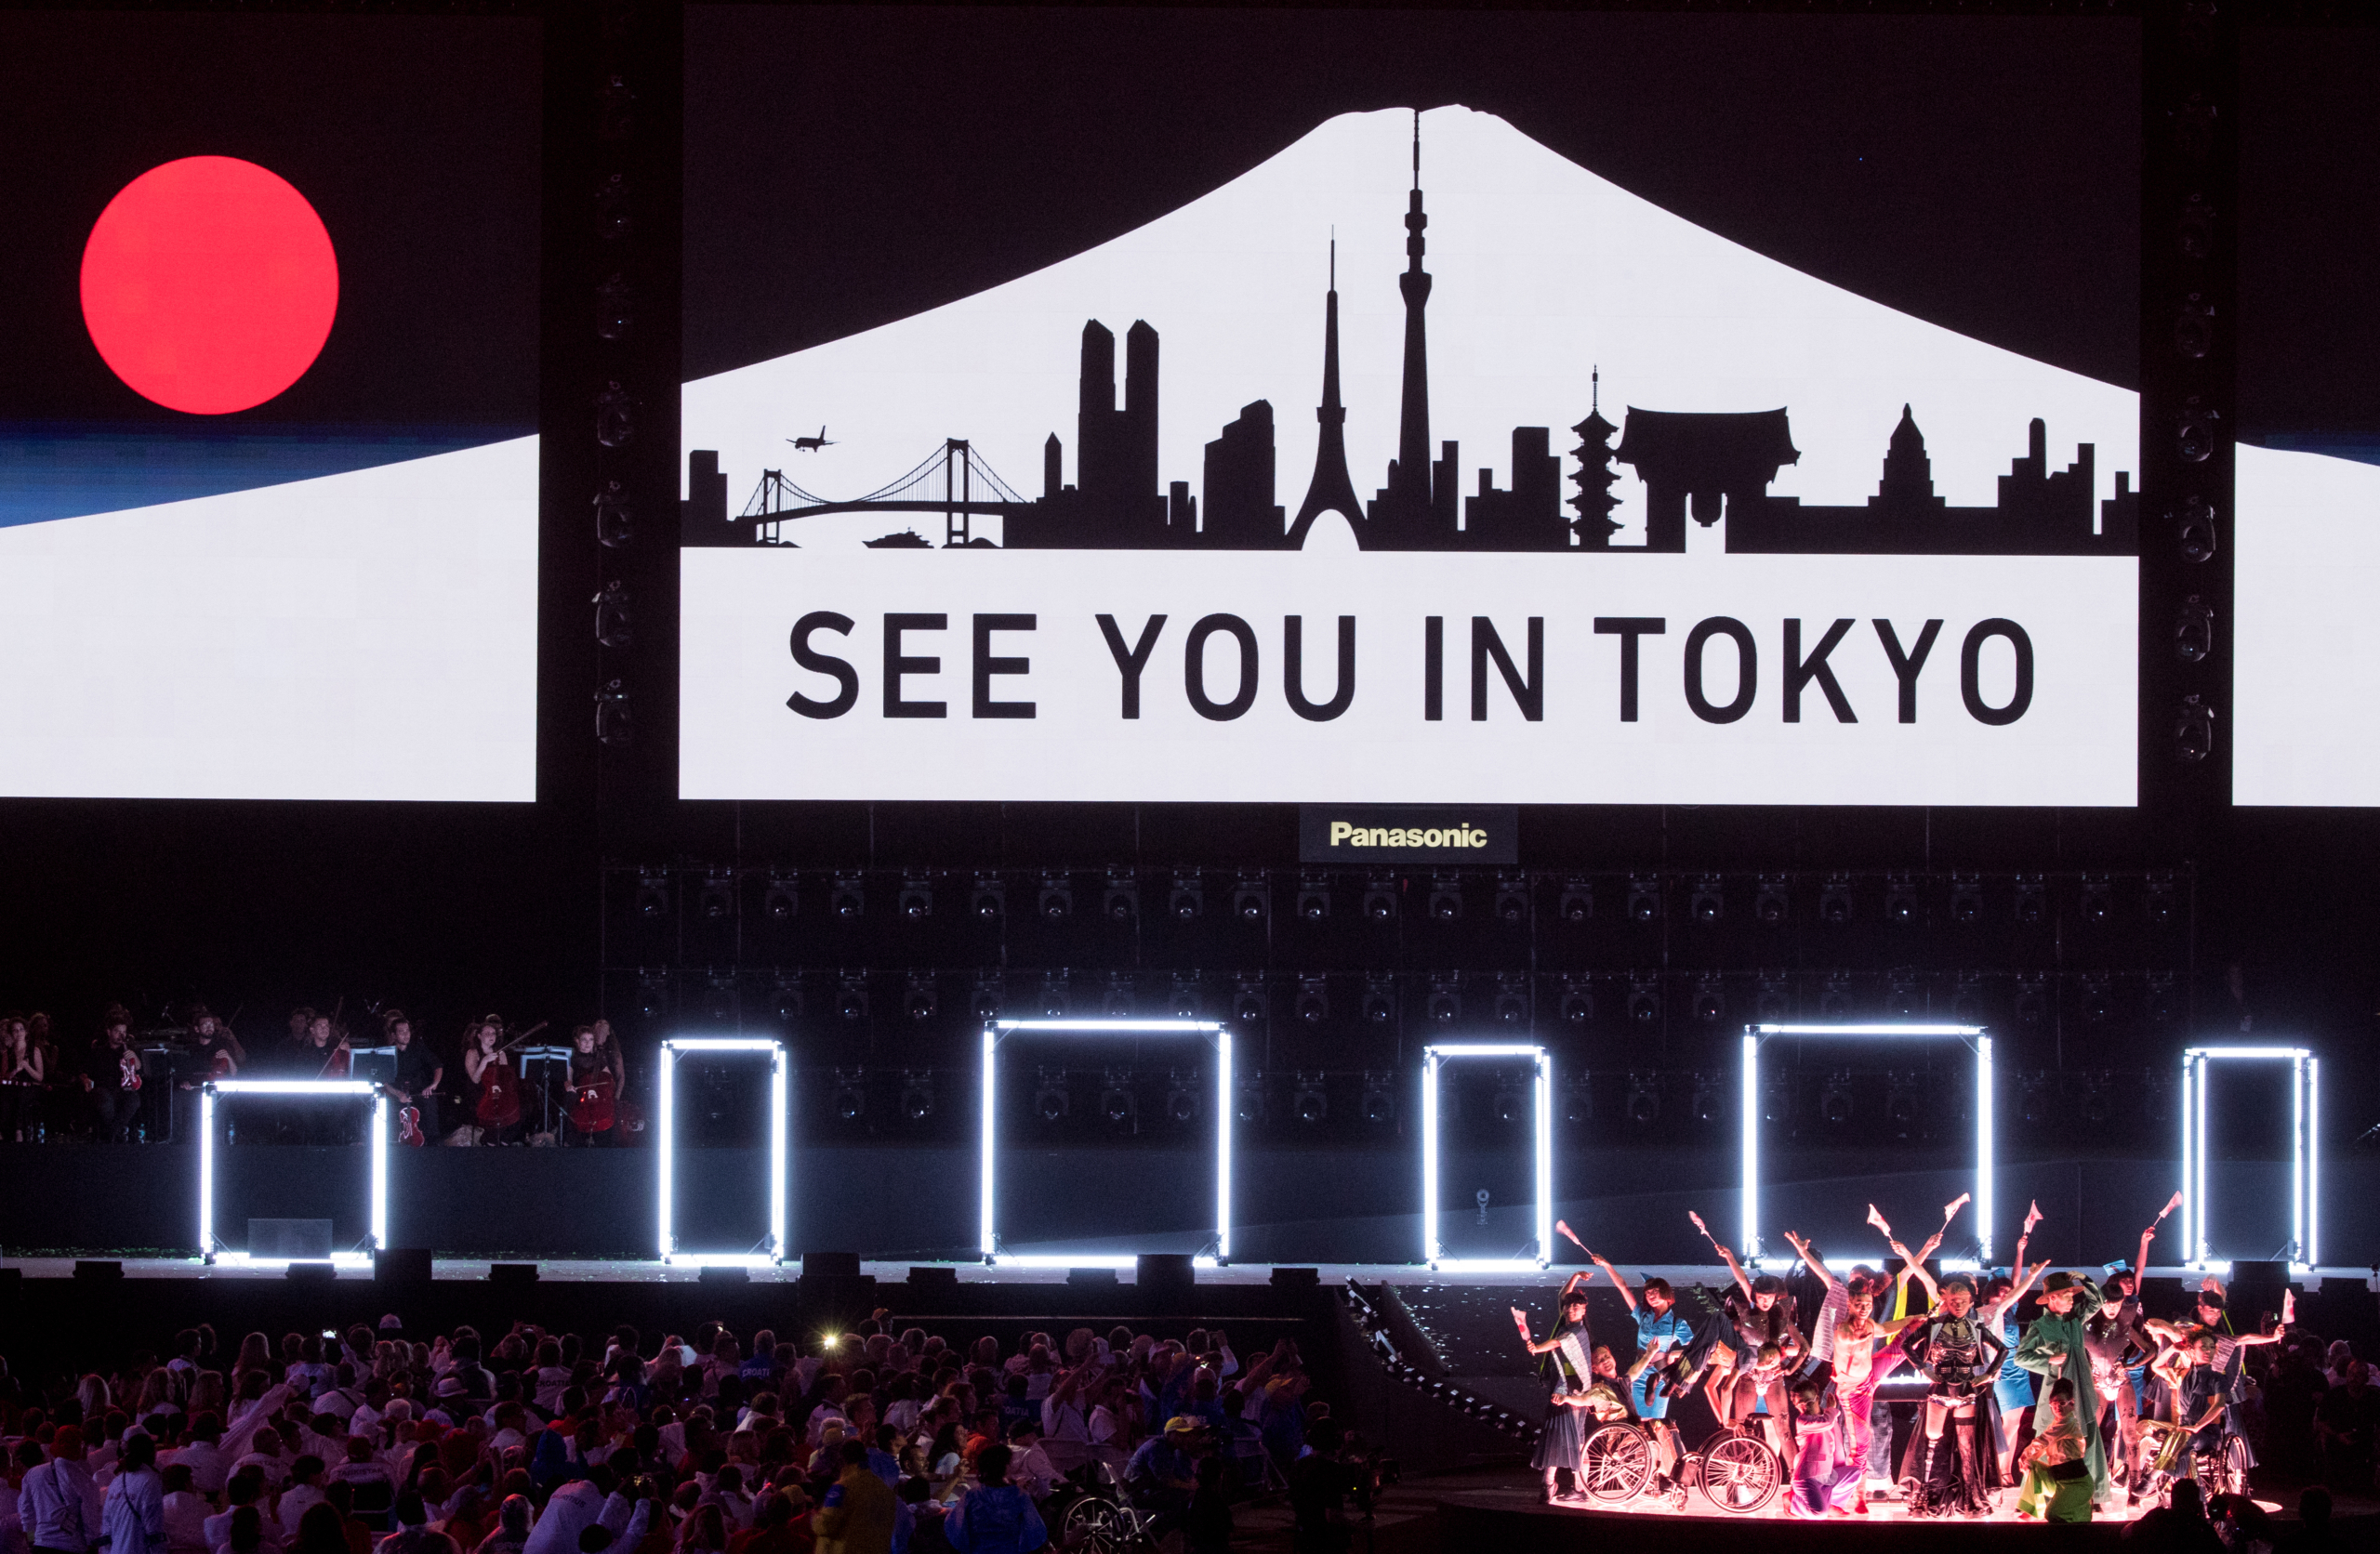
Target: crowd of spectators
<point x="874" y="1443"/>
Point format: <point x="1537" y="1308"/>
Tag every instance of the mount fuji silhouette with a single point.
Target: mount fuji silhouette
<point x="1536" y="280"/>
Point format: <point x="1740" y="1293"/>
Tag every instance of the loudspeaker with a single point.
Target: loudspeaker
<point x="1170" y="1270"/>
<point x="729" y="1275"/>
<point x="95" y="1268"/>
<point x="308" y="1271"/>
<point x="1297" y="1278"/>
<point x="402" y="1265"/>
<point x="933" y="1277"/>
<point x="1092" y="1278"/>
<point x="512" y="1274"/>
<point x="830" y="1265"/>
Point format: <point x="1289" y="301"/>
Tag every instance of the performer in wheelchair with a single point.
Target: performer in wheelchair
<point x="1664" y="1336"/>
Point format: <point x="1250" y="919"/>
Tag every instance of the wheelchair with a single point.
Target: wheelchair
<point x="2170" y="1457"/>
<point x="1735" y="1469"/>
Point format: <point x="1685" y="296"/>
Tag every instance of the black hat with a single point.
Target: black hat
<point x="2061" y="1281"/>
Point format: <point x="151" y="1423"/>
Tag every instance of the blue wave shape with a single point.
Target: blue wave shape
<point x="65" y="469"/>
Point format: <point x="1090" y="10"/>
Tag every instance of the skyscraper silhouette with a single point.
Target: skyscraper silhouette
<point x="1331" y="491"/>
<point x="1404" y="514"/>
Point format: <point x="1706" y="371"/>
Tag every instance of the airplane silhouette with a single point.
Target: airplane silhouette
<point x="809" y="445"/>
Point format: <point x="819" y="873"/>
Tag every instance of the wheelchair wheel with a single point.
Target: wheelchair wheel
<point x="1096" y="1525"/>
<point x="2224" y="1469"/>
<point x="1740" y="1474"/>
<point x="1616" y="1465"/>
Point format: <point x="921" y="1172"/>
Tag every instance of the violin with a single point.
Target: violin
<point x="128" y="1062"/>
<point x="409" y="1126"/>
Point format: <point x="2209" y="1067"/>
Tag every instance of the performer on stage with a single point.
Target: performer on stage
<point x="1852" y="1351"/>
<point x="1829" y="1473"/>
<point x="2058" y="1474"/>
<point x="2110" y="1336"/>
<point x="1759" y="1312"/>
<point x="1960" y="1357"/>
<point x="1662" y="1337"/>
<point x="1569" y="1368"/>
<point x="2056" y="1346"/>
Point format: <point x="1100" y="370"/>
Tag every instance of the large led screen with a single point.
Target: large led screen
<point x="268" y="398"/>
<point x="1366" y="427"/>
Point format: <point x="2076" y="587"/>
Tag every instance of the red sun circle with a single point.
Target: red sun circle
<point x="210" y="285"/>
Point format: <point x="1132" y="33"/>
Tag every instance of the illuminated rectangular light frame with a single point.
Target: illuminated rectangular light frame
<point x="997" y="1030"/>
<point x="1542" y="1114"/>
<point x="779" y="1126"/>
<point x="2306" y="1163"/>
<point x="1984" y="1121"/>
<point x="207" y="1092"/>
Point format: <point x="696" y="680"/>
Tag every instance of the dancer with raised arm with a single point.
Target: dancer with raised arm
<point x="1853" y="1351"/>
<point x="1959" y="1356"/>
<point x="2015" y="1387"/>
<point x="1759" y="1313"/>
<point x="1568" y="1363"/>
<point x="2112" y="1337"/>
<point x="1662" y="1337"/>
<point x="2053" y="1348"/>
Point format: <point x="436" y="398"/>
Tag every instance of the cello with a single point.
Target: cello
<point x="499" y="1102"/>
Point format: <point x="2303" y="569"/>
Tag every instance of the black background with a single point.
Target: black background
<point x="415" y="137"/>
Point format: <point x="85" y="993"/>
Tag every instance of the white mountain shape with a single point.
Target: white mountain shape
<point x="1542" y="270"/>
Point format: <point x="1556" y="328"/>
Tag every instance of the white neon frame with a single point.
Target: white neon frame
<point x="1542" y="1109"/>
<point x="997" y="1030"/>
<point x="778" y="1127"/>
<point x="2306" y="1162"/>
<point x="1985" y="1124"/>
<point x="378" y="1143"/>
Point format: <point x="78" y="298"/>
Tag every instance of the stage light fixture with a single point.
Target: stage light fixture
<point x="782" y="901"/>
<point x="2193" y="729"/>
<point x="1050" y="1098"/>
<point x="2040" y="1104"/>
<point x="1446" y="999"/>
<point x="1116" y="1103"/>
<point x="1248" y="1099"/>
<point x="848" y="900"/>
<point x="1834" y="901"/>
<point x="1120" y="902"/>
<point x="997" y="1031"/>
<point x="1702" y="1104"/>
<point x="652" y="894"/>
<point x="2098" y="902"/>
<point x="1511" y="999"/>
<point x="1900" y="999"/>
<point x="1186" y="898"/>
<point x="1834" y="999"/>
<point x="1645" y="1000"/>
<point x="2304" y="1252"/>
<point x="1539" y="1253"/>
<point x="1445" y="904"/>
<point x="2097" y="1000"/>
<point x="1186" y="995"/>
<point x="614" y="516"/>
<point x="1773" y="1002"/>
<point x="785" y="1000"/>
<point x="2032" y="1001"/>
<point x="1644" y="1096"/>
<point x="2032" y="900"/>
<point x="1512" y="900"/>
<point x="1312" y="1001"/>
<point x="615" y="417"/>
<point x="2162" y="902"/>
<point x="615" y="309"/>
<point x="716" y="900"/>
<point x="1835" y="1102"/>
<point x="772" y="1247"/>
<point x="1380" y="999"/>
<point x="1057" y="1001"/>
<point x="917" y="1094"/>
<point x="614" y="217"/>
<point x="1379" y="1103"/>
<point x="1250" y="900"/>
<point x="1380" y="897"/>
<point x="1578" y="1005"/>
<point x="1577" y="1101"/>
<point x="920" y="1000"/>
<point x="851" y="996"/>
<point x="2193" y="630"/>
<point x="1248" y="1005"/>
<point x="1967" y="1002"/>
<point x="987" y="899"/>
<point x="915" y="902"/>
<point x="315" y="1090"/>
<point x="1772" y="900"/>
<point x="1901" y="899"/>
<point x="1122" y="997"/>
<point x="1576" y="905"/>
<point x="1644" y="898"/>
<point x="1975" y="1037"/>
<point x="1710" y="1002"/>
<point x="615" y="716"/>
<point x="615" y="627"/>
<point x="1512" y="1103"/>
<point x="719" y="998"/>
<point x="2159" y="1005"/>
<point x="990" y="996"/>
<point x="1309" y="1102"/>
<point x="2098" y="1104"/>
<point x="1966" y="899"/>
<point x="1707" y="903"/>
<point x="1182" y="1096"/>
<point x="1777" y="1098"/>
<point x="1901" y="1094"/>
<point x="1314" y="897"/>
<point x="1055" y="900"/>
<point x="849" y="1097"/>
<point x="653" y="992"/>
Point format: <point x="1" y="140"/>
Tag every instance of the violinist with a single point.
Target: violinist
<point x="326" y="1055"/>
<point x="113" y="1076"/>
<point x="213" y="1045"/>
<point x="418" y="1072"/>
<point x="495" y="1087"/>
<point x="21" y="1073"/>
<point x="594" y="1086"/>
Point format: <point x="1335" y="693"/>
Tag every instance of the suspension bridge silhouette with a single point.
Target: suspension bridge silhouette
<point x="953" y="480"/>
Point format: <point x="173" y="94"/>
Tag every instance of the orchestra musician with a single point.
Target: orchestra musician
<point x="215" y="1046"/>
<point x="495" y="1085"/>
<point x="418" y="1074"/>
<point x="595" y="1085"/>
<point x="22" y="1085"/>
<point x="326" y="1055"/>
<point x="113" y="1077"/>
